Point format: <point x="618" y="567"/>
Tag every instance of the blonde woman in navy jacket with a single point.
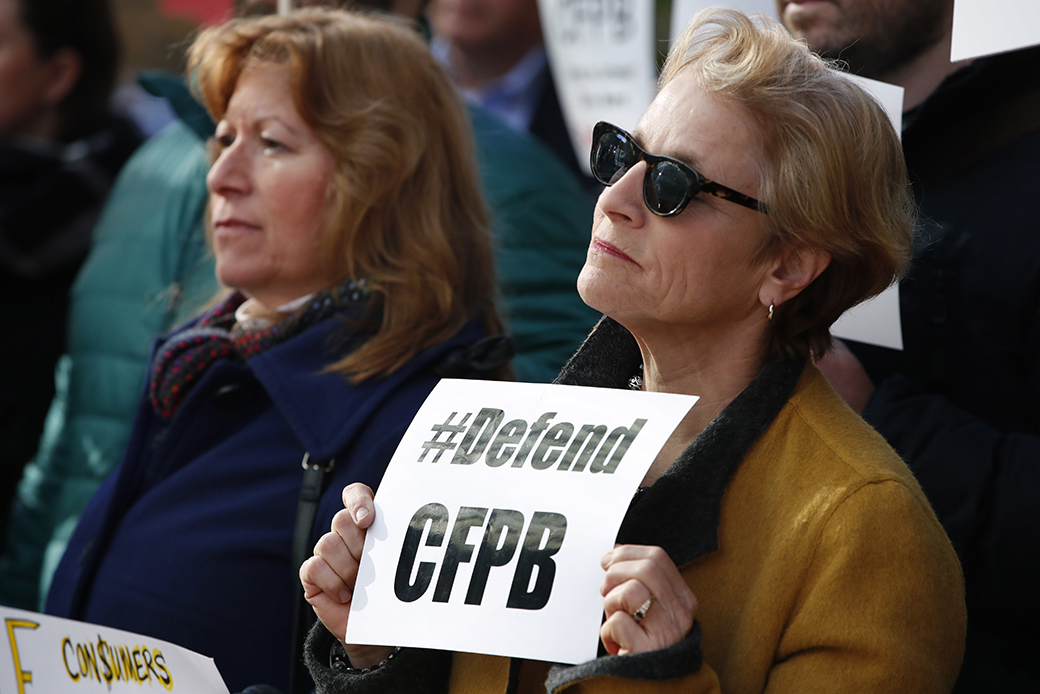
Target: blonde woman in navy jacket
<point x="346" y="216"/>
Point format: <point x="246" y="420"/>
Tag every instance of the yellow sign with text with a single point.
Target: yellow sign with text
<point x="48" y="655"/>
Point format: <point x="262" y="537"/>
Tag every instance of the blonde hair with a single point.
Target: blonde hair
<point x="407" y="213"/>
<point x="833" y="175"/>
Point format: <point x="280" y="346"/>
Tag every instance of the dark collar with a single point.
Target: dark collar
<point x="324" y="409"/>
<point x="691" y="490"/>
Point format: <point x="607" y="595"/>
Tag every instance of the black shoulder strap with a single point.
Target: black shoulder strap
<point x="313" y="486"/>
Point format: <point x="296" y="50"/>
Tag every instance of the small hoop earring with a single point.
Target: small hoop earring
<point x="770" y="311"/>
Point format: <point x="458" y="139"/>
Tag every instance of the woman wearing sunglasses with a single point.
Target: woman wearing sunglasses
<point x="777" y="543"/>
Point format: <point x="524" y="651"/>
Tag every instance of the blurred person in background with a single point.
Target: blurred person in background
<point x="493" y="50"/>
<point x="149" y="270"/>
<point x="347" y="221"/>
<point x="60" y="149"/>
<point x="959" y="403"/>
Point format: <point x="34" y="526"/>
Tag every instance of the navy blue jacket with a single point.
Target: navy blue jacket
<point x="190" y="540"/>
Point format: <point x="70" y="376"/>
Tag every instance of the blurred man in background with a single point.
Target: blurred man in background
<point x="960" y="402"/>
<point x="493" y="50"/>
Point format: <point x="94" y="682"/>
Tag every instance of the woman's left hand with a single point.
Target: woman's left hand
<point x="638" y="575"/>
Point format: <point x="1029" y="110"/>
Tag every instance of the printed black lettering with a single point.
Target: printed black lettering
<point x="117" y="665"/>
<point x="66" y="646"/>
<point x="499" y="545"/>
<point x="537" y="428"/>
<point x="89" y="648"/>
<point x="437" y="516"/>
<point x="87" y="660"/>
<point x="103" y="653"/>
<point x="510" y="433"/>
<point x="127" y="660"/>
<point x="590" y="436"/>
<point x="472" y="447"/>
<point x="113" y="659"/>
<point x="164" y="677"/>
<point x="139" y="666"/>
<point x="436" y="443"/>
<point x="557" y="437"/>
<point x="147" y="655"/>
<point x="81" y="661"/>
<point x="459" y="551"/>
<point x="532" y="555"/>
<point x="624" y="438"/>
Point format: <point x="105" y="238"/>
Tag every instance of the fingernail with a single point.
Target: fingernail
<point x="362" y="514"/>
<point x="344" y="596"/>
<point x="605" y="561"/>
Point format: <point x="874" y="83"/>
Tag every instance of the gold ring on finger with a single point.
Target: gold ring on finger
<point x="640" y="614"/>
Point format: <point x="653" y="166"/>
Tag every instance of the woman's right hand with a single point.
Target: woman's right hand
<point x="329" y="576"/>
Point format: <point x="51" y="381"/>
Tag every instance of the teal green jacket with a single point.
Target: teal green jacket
<point x="149" y="270"/>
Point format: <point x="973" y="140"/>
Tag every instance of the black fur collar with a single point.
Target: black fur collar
<point x="691" y="490"/>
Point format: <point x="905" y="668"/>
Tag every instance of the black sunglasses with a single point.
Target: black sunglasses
<point x="668" y="185"/>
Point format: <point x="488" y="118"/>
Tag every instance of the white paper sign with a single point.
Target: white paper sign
<point x="983" y="27"/>
<point x="888" y="95"/>
<point x="875" y="322"/>
<point x="683" y="10"/>
<point x="50" y="655"/>
<point x="495" y="511"/>
<point x="602" y="59"/>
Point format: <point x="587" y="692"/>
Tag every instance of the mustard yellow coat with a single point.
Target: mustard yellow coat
<point x="817" y="562"/>
<point x="832" y="573"/>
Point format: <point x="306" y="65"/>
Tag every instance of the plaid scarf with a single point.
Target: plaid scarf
<point x="183" y="359"/>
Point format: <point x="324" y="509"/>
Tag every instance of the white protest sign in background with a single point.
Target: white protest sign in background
<point x="683" y="10"/>
<point x="890" y="96"/>
<point x="495" y="511"/>
<point x="874" y="322"/>
<point x="877" y="321"/>
<point x="50" y="655"/>
<point x="601" y="53"/>
<point x="983" y="27"/>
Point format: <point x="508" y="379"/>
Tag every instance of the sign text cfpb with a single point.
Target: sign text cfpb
<point x="501" y="537"/>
